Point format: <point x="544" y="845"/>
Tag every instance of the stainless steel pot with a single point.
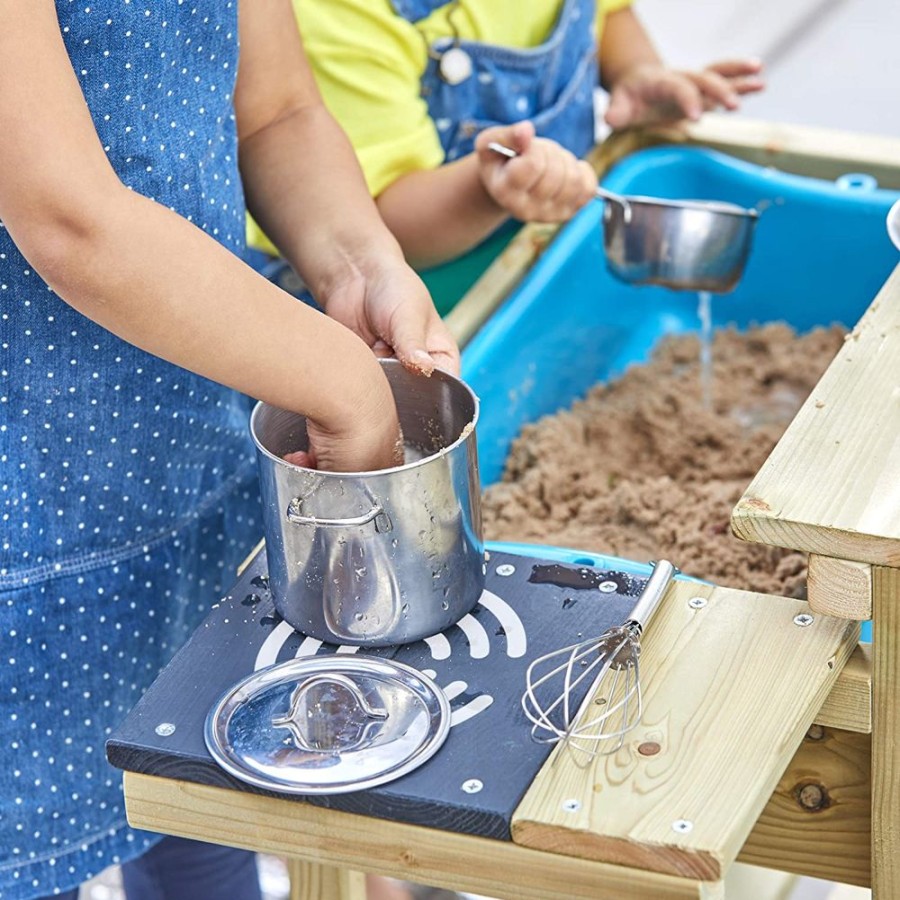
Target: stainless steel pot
<point x="377" y="558"/>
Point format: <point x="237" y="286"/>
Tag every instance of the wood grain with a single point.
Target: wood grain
<point x="839" y="587"/>
<point x="817" y="822"/>
<point x="849" y="703"/>
<point x="314" y="881"/>
<point x="885" y="734"/>
<point x="729" y="692"/>
<point x="289" y="829"/>
<point x="803" y="149"/>
<point x="832" y="484"/>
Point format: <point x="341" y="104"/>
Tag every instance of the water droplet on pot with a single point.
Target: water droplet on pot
<point x="358" y="616"/>
<point x="361" y="571"/>
<point x="445" y="605"/>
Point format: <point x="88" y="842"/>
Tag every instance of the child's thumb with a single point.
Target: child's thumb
<point x="516" y="137"/>
<point x="619" y="111"/>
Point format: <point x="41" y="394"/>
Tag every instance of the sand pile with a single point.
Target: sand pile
<point x="641" y="469"/>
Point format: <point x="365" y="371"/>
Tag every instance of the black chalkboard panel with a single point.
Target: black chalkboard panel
<point x="529" y="607"/>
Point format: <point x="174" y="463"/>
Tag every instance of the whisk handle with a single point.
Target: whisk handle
<point x="654" y="591"/>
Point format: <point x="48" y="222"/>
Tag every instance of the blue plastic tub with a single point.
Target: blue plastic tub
<point x="820" y="255"/>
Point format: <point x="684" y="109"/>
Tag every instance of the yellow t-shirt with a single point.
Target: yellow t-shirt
<point x="368" y="62"/>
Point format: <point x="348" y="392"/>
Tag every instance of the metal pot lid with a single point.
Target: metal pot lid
<point x="328" y="724"/>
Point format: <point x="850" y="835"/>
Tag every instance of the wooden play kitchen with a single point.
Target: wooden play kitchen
<point x="767" y="735"/>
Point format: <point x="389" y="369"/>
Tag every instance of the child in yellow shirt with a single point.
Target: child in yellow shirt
<point x="422" y="86"/>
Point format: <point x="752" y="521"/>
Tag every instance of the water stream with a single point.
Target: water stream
<point x="704" y="311"/>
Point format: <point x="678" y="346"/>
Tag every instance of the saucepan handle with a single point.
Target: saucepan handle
<point x="376" y="514"/>
<point x="600" y="192"/>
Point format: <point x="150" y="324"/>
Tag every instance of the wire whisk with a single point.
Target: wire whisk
<point x="613" y="705"/>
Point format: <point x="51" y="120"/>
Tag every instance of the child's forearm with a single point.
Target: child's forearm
<point x="155" y="280"/>
<point x="624" y="44"/>
<point x="439" y="214"/>
<point x="304" y="186"/>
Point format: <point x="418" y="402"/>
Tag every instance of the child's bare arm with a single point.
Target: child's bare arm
<point x="643" y="90"/>
<point x="441" y="213"/>
<point x="305" y="188"/>
<point x="154" y="279"/>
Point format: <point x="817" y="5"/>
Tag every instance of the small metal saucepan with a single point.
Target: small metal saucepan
<point x="687" y="245"/>
<point x="379" y="558"/>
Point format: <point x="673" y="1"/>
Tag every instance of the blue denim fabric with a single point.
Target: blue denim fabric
<point x="552" y="85"/>
<point x="127" y="485"/>
<point x="181" y="869"/>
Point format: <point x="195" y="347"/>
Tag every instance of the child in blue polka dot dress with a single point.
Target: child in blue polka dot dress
<point x="131" y="336"/>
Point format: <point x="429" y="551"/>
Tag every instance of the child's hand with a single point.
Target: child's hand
<point x="384" y="302"/>
<point x="652" y="94"/>
<point x="544" y="183"/>
<point x="372" y="443"/>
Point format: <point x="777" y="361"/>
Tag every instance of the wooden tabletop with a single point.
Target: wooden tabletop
<point x="832" y="485"/>
<point x="732" y="682"/>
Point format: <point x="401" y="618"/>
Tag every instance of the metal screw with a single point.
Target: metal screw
<point x="683" y="826"/>
<point x="472" y="786"/>
<point x="697" y="602"/>
<point x="804" y="619"/>
<point x="608" y="586"/>
<point x="505" y="569"/>
<point x="572" y="805"/>
<point x="164" y="729"/>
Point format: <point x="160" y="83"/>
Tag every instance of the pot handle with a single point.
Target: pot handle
<point x="376" y="513"/>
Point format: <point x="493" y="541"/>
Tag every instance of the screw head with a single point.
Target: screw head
<point x="804" y="619"/>
<point x="472" y="786"/>
<point x="683" y="826"/>
<point x="697" y="602"/>
<point x="164" y="729"/>
<point x="608" y="587"/>
<point x="505" y="569"/>
<point x="571" y="805"/>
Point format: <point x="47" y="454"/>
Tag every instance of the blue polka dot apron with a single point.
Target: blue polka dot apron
<point x="552" y="85"/>
<point x="127" y="485"/>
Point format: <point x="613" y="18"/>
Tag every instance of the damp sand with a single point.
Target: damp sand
<point x="643" y="468"/>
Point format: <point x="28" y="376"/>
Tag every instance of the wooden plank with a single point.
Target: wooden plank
<point x="832" y="484"/>
<point x="849" y="704"/>
<point x="839" y="587"/>
<point x="424" y="855"/>
<point x="730" y="690"/>
<point x="251" y="556"/>
<point x="886" y="735"/>
<point x="817" y="822"/>
<point x="314" y="881"/>
<point x="803" y="149"/>
<point x="498" y="281"/>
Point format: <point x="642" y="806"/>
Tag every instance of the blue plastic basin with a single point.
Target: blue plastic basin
<point x="820" y="254"/>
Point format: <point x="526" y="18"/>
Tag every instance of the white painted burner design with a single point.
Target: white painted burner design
<point x="477" y="639"/>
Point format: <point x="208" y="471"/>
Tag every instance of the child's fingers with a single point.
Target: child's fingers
<point x="683" y="92"/>
<point x="715" y="87"/>
<point x="749" y="85"/>
<point x="517" y="137"/>
<point x="577" y="189"/>
<point x="734" y="68"/>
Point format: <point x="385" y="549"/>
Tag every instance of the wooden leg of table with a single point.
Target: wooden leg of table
<point x="885" y="733"/>
<point x="313" y="881"/>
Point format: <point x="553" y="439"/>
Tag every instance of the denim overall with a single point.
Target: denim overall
<point x="552" y="85"/>
<point x="127" y="485"/>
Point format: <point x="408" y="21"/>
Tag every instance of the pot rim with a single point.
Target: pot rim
<point x="467" y="432"/>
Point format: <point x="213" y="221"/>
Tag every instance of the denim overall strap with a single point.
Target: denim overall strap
<point x="552" y="84"/>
